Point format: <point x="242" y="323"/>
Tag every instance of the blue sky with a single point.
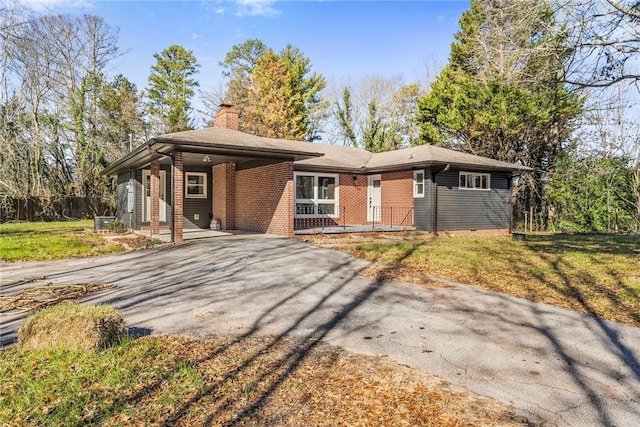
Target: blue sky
<point x="343" y="39"/>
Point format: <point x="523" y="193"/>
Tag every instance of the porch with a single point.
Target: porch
<point x="380" y="218"/>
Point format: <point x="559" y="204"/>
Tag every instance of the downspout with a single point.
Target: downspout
<point x="173" y="200"/>
<point x="131" y="191"/>
<point x="511" y="204"/>
<point x="435" y="198"/>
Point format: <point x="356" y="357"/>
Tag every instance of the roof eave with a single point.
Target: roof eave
<point x="328" y="169"/>
<point x="165" y="146"/>
<point x="128" y="160"/>
<point x="226" y="149"/>
<point x="458" y="165"/>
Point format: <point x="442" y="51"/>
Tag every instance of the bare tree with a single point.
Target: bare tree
<point x="604" y="38"/>
<point x="53" y="71"/>
<point x="375" y="113"/>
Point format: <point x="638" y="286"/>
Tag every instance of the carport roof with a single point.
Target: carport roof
<point x="232" y="144"/>
<point x="215" y="141"/>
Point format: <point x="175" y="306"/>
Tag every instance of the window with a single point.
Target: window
<point x="316" y="194"/>
<point x="418" y="183"/>
<point x="196" y="185"/>
<point x="475" y="181"/>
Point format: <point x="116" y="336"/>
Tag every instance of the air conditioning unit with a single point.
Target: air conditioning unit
<point x="102" y="222"/>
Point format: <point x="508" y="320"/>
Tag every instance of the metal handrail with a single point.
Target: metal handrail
<point x="322" y="221"/>
<point x="387" y="215"/>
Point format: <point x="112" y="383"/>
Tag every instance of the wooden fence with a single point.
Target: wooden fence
<point x="42" y="209"/>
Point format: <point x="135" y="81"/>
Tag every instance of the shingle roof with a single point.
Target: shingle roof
<point x="431" y="154"/>
<point x="355" y="159"/>
<point x="235" y="140"/>
<point x="306" y="155"/>
<point x="336" y="157"/>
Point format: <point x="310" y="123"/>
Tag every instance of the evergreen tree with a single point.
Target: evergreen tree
<point x="502" y="93"/>
<point x="171" y="87"/>
<point x="121" y="118"/>
<point x="276" y="94"/>
<point x="272" y="107"/>
<point x="344" y="115"/>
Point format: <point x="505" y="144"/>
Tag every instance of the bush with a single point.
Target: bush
<point x="73" y="327"/>
<point x="117" y="226"/>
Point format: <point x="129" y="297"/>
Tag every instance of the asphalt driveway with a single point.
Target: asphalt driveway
<point x="553" y="365"/>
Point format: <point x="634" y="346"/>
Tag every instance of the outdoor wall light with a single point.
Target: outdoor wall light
<point x="206" y="159"/>
<point x="355" y="179"/>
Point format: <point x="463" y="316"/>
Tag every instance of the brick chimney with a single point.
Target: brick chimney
<point x="227" y="117"/>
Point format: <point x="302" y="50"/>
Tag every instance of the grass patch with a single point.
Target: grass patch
<point x="72" y="326"/>
<point x="44" y="241"/>
<point x="593" y="274"/>
<point x="251" y="381"/>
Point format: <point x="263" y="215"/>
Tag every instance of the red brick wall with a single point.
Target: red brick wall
<point x="155" y="198"/>
<point x="264" y="199"/>
<point x="224" y="194"/>
<point x="178" y="197"/>
<point x="397" y="198"/>
<point x="397" y="188"/>
<point x="353" y="196"/>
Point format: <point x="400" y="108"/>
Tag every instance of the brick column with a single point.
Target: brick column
<point x="177" y="173"/>
<point x="224" y="193"/>
<point x="288" y="196"/>
<point x="155" y="198"/>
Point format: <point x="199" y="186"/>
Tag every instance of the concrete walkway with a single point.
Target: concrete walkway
<point x="555" y="366"/>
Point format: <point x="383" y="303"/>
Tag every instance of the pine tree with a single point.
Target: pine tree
<point x="171" y="87"/>
<point x="276" y="94"/>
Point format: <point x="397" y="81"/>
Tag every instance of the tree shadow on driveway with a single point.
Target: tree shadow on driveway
<point x="488" y="343"/>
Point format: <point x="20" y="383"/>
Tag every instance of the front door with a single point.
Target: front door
<point x="146" y="200"/>
<point x="375" y="198"/>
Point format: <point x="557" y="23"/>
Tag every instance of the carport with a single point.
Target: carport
<point x="183" y="180"/>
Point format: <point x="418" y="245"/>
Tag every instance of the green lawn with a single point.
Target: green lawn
<point x="594" y="274"/>
<point x="42" y="241"/>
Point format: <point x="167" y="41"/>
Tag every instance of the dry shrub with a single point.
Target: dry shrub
<point x="73" y="327"/>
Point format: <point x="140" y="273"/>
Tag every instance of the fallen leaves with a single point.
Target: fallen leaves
<point x="242" y="381"/>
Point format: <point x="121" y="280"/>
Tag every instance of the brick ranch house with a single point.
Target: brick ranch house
<point x="244" y="182"/>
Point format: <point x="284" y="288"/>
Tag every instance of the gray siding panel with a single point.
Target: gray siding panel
<point x="138" y="210"/>
<point x="201" y="207"/>
<point x="422" y="206"/>
<point x="122" y="194"/>
<point x="473" y="209"/>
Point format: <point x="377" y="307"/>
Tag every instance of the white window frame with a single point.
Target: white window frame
<point x="315" y="200"/>
<point x="415" y="183"/>
<point x="186" y="185"/>
<point x="475" y="175"/>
